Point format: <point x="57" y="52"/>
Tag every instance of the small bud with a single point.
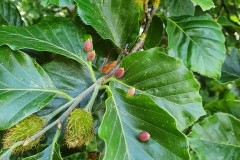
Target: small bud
<point x="79" y="129"/>
<point x="88" y="47"/>
<point x="131" y="91"/>
<point x="119" y="73"/>
<point x="91" y="56"/>
<point x="144" y="136"/>
<point x="22" y="131"/>
<point x="26" y="142"/>
<point x="59" y="125"/>
<point x="108" y="67"/>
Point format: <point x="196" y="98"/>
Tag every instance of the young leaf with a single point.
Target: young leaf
<point x="171" y="85"/>
<point x="218" y="136"/>
<point x="231" y="66"/>
<point x="199" y="42"/>
<point x="57" y="35"/>
<point x="204" y="4"/>
<point x="24" y="87"/>
<point x="180" y="7"/>
<point x="127" y="116"/>
<point x="9" y="14"/>
<point x="114" y="20"/>
<point x="225" y="106"/>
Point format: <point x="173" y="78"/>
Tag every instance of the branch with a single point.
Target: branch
<point x="148" y="17"/>
<point x="79" y="98"/>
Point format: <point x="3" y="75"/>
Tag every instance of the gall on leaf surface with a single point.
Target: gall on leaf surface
<point x="127" y="116"/>
<point x="167" y="81"/>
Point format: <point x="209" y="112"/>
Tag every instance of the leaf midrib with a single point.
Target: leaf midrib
<point x="55" y="46"/>
<point x="201" y="48"/>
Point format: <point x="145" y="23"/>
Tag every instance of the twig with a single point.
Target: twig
<point x="60" y="109"/>
<point x="66" y="113"/>
<point x="91" y="101"/>
<point x="148" y="17"/>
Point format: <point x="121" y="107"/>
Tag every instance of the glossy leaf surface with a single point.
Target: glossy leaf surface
<point x="231" y="66"/>
<point x="180" y="7"/>
<point x="127" y="116"/>
<point x="9" y="14"/>
<point x="114" y="20"/>
<point x="218" y="136"/>
<point x="199" y="42"/>
<point x="51" y="34"/>
<point x="225" y="106"/>
<point x="155" y="74"/>
<point x="24" y="87"/>
<point x="155" y="33"/>
<point x="52" y="152"/>
<point x="204" y="4"/>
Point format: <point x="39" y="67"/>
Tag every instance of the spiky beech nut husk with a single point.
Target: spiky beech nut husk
<point x="119" y="73"/>
<point x="144" y="136"/>
<point x="91" y="56"/>
<point x="22" y="131"/>
<point x="79" y="129"/>
<point x="88" y="47"/>
<point x="131" y="91"/>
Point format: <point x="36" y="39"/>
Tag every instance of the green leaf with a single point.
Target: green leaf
<point x="204" y="4"/>
<point x="52" y="152"/>
<point x="225" y="22"/>
<point x="24" y="87"/>
<point x="127" y="116"/>
<point x="9" y="14"/>
<point x="226" y="106"/>
<point x="171" y="85"/>
<point x="199" y="42"/>
<point x="217" y="137"/>
<point x="57" y="2"/>
<point x="154" y="34"/>
<point x="231" y="66"/>
<point x="57" y="35"/>
<point x="180" y="7"/>
<point x="5" y="153"/>
<point x="114" y="20"/>
<point x="69" y="77"/>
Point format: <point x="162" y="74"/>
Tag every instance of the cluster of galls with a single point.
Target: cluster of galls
<point x="88" y="48"/>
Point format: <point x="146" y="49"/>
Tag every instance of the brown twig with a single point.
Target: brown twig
<point x="148" y="20"/>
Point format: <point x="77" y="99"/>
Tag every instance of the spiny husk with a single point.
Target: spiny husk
<point x="79" y="129"/>
<point x="22" y="131"/>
